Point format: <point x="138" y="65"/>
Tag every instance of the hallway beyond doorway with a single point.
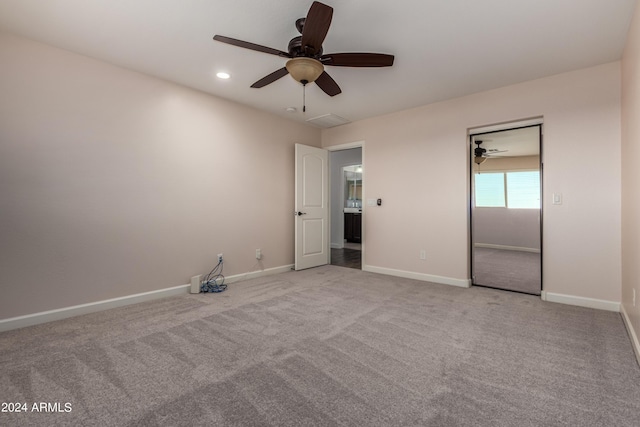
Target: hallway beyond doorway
<point x="350" y="256"/>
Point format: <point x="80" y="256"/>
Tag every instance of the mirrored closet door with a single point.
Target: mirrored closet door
<point x="506" y="221"/>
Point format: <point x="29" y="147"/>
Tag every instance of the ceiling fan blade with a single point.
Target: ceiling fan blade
<point x="316" y="27"/>
<point x="252" y="46"/>
<point x="357" y="59"/>
<point x="270" y="78"/>
<point x="328" y="85"/>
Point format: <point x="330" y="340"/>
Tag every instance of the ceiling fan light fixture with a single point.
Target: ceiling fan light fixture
<point x="304" y="70"/>
<point x="477" y="160"/>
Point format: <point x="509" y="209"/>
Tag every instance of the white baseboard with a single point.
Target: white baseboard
<point x="635" y="343"/>
<point x="77" y="310"/>
<point x="92" y="307"/>
<point x="259" y="273"/>
<point x="506" y="248"/>
<point x="463" y="283"/>
<point x="581" y="301"/>
<point x="337" y="245"/>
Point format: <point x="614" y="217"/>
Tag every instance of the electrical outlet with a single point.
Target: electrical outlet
<point x="219" y="257"/>
<point x="258" y="253"/>
<point x="423" y="254"/>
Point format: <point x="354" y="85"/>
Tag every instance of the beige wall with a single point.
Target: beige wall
<point x="114" y="183"/>
<point x="417" y="162"/>
<point x="631" y="175"/>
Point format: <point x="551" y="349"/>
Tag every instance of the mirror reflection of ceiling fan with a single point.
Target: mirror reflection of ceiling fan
<point x="481" y="154"/>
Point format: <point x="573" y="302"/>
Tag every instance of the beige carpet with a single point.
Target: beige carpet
<point x="327" y="346"/>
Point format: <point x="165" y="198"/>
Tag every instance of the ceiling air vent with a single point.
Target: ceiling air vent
<point x="327" y="121"/>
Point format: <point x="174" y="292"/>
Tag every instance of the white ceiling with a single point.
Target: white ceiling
<point x="443" y="48"/>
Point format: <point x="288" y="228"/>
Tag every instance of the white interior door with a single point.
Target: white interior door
<point x="312" y="207"/>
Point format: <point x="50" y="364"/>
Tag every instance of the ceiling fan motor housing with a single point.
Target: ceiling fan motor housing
<point x="295" y="49"/>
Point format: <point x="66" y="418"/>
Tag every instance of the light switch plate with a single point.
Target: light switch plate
<point x="557" y="198"/>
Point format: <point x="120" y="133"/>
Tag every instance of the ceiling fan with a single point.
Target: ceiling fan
<point x="306" y="59"/>
<point x="481" y="154"/>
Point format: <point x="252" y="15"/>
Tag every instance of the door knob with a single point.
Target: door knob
<point x="301" y="213"/>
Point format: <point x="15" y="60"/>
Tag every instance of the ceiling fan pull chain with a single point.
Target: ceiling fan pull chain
<point x="304" y="98"/>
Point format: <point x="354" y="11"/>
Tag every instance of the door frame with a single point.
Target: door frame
<point x="348" y="146"/>
<point x="471" y="132"/>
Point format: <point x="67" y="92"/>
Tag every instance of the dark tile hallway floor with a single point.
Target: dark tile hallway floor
<point x="351" y="258"/>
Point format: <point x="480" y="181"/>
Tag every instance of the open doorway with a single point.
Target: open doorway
<point x="347" y="183"/>
<point x="506" y="219"/>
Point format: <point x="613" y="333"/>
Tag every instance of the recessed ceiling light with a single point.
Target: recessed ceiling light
<point x="291" y="109"/>
<point x="222" y="75"/>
